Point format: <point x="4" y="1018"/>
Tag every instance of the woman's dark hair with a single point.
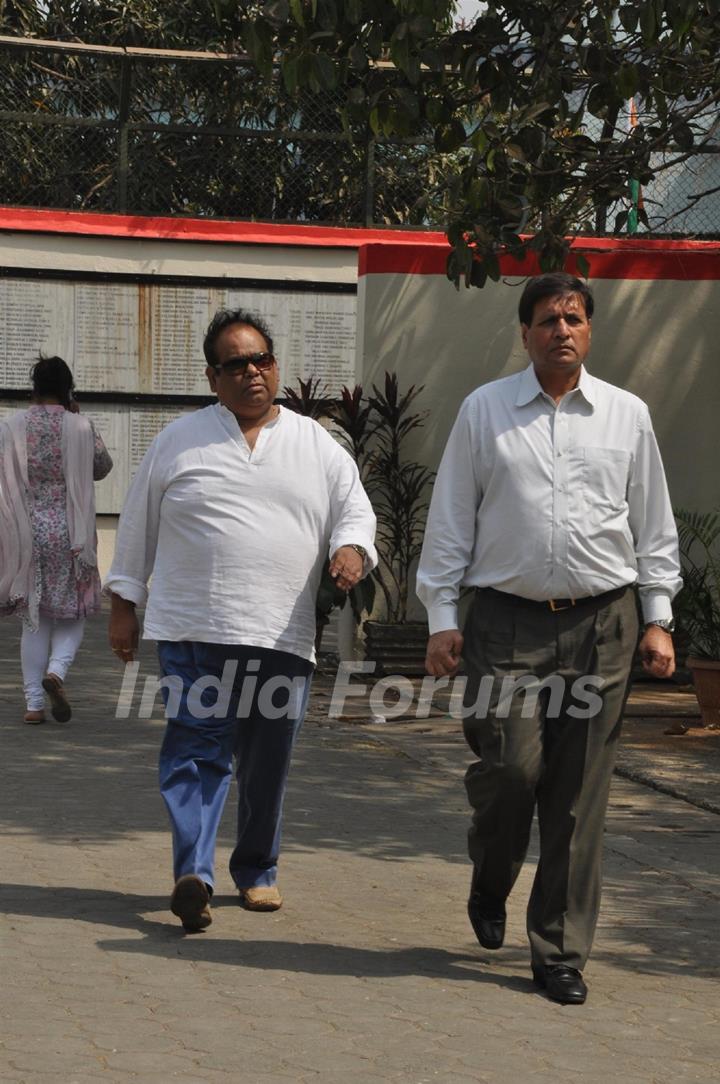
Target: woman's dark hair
<point x="224" y="318"/>
<point x="51" y="377"/>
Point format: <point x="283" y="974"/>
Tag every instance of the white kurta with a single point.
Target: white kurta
<point x="236" y="540"/>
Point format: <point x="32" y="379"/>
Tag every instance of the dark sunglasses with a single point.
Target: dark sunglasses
<point x="262" y="362"/>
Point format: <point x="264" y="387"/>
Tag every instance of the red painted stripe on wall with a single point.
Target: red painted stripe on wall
<point x="24" y="219"/>
<point x="609" y="258"/>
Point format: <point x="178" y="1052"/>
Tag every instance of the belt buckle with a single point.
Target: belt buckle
<point x="559" y="609"/>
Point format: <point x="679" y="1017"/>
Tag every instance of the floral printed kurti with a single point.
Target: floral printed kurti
<point x="61" y="593"/>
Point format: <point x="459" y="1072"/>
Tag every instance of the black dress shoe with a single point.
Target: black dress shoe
<point x="487" y="917"/>
<point x="561" y="983"/>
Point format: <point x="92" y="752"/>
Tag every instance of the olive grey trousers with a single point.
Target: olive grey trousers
<point x="542" y="712"/>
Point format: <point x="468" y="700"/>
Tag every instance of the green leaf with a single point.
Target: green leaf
<point x="357" y="57"/>
<point x="535" y="111"/>
<point x="547" y="261"/>
<point x="290" y="74"/>
<point x="326" y="73"/>
<point x="620" y="221"/>
<point x="277" y="11"/>
<point x="433" y="59"/>
<point x="452" y="268"/>
<point x="628" y="17"/>
<point x="683" y="135"/>
<point x="660" y="104"/>
<point x="532" y="140"/>
<point x="627" y="81"/>
<point x="375" y="41"/>
<point x="470" y="68"/>
<point x="500" y="97"/>
<point x="478" y="274"/>
<point x="479" y="193"/>
<point x="648" y="23"/>
<point x="492" y="267"/>
<point x="297" y="12"/>
<point x="422" y="26"/>
<point x="327" y="15"/>
<point x="583" y="264"/>
<point x="515" y="151"/>
<point x="598" y="101"/>
<point x="412" y="69"/>
<point x="436" y="111"/>
<point x="306" y="69"/>
<point x="450" y="137"/>
<point x="256" y="39"/>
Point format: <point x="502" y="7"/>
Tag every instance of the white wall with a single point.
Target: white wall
<point x="658" y="338"/>
<point x="132" y="256"/>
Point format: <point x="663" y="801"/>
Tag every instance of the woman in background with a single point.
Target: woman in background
<point x="49" y="456"/>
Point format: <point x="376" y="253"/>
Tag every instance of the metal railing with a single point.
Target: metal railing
<point x="137" y="131"/>
<point x="171" y="133"/>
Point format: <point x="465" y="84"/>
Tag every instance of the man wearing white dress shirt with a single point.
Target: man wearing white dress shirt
<point x="234" y="511"/>
<point x="551" y="503"/>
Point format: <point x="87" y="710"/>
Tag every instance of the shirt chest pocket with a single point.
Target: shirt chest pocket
<point x="604" y="474"/>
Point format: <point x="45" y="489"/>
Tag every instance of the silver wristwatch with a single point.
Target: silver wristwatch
<point x="666" y="623"/>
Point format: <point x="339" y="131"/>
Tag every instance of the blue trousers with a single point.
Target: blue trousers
<point x="225" y="700"/>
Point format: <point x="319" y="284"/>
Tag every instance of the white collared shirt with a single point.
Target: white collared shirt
<point x="549" y="501"/>
<point x="236" y="539"/>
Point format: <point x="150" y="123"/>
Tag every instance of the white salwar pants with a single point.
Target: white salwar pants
<point x="49" y="650"/>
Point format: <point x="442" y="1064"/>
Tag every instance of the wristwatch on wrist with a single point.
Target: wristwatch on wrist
<point x="665" y="623"/>
<point x="359" y="549"/>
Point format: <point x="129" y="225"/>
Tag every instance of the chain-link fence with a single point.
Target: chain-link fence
<point x="134" y="131"/>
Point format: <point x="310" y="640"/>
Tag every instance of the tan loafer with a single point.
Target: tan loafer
<point x="261" y="898"/>
<point x="190" y="901"/>
<point x="35" y="717"/>
<point x="59" y="706"/>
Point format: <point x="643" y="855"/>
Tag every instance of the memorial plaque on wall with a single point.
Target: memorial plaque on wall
<point x="35" y="317"/>
<point x="106" y="336"/>
<point x="145" y="339"/>
<point x="127" y="433"/>
<point x="314" y="334"/>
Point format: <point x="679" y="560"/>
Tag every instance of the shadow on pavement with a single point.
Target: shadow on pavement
<point x="322" y="958"/>
<point x="93" y="781"/>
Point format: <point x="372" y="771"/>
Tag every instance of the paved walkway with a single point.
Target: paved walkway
<point x="370" y="973"/>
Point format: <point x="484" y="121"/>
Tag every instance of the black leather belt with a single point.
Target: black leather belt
<point x="558" y="604"/>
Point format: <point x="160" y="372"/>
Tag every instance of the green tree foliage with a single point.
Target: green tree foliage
<point x="526" y="108"/>
<point x="220" y="137"/>
<point x="531" y="99"/>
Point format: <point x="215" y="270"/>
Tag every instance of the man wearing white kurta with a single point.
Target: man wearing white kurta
<point x="234" y="511"/>
<point x="550" y="503"/>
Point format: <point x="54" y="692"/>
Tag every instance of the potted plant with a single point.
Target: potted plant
<point x="698" y="606"/>
<point x="375" y="429"/>
<point x="376" y="432"/>
<point x="314" y="401"/>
